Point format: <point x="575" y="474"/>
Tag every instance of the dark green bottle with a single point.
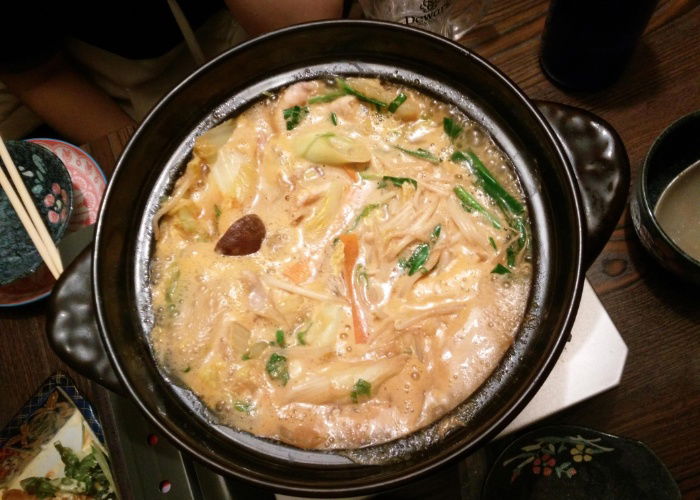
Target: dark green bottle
<point x="586" y="44"/>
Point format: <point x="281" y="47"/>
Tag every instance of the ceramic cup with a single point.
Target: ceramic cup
<point x="676" y="149"/>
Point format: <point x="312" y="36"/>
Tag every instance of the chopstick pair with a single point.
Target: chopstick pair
<point x="26" y="210"/>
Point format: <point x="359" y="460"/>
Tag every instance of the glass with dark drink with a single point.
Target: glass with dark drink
<point x="587" y="43"/>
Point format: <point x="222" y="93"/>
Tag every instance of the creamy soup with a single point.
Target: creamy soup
<point x="678" y="211"/>
<point x="340" y="265"/>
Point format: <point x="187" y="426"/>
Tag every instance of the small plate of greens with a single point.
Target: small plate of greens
<point x="54" y="447"/>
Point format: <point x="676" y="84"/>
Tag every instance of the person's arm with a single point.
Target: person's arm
<point x="261" y="16"/>
<point x="67" y="101"/>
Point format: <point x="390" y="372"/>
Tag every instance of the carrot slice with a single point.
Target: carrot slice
<point x="352" y="173"/>
<point x="297" y="271"/>
<point x="351" y="251"/>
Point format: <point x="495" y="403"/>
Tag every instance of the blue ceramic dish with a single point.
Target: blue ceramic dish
<point x="49" y="183"/>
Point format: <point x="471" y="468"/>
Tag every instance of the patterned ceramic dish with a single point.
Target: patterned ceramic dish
<point x="566" y="461"/>
<point x="54" y="447"/>
<point x="49" y="184"/>
<point x="88" y="183"/>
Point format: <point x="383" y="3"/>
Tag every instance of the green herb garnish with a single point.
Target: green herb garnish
<point x="510" y="256"/>
<point x="396" y="181"/>
<point x="276" y="367"/>
<point x="512" y="210"/>
<point x="421" y="153"/>
<point x="334" y="118"/>
<point x="384" y="180"/>
<point x="326" y="97"/>
<point x="519" y="225"/>
<point x="493" y="243"/>
<point x="242" y="406"/>
<point x="41" y="487"/>
<point x="398" y="101"/>
<point x="489" y="184"/>
<point x="500" y="269"/>
<point x="420" y="254"/>
<point x="301" y="334"/>
<point x="470" y="203"/>
<point x="187" y="370"/>
<point x="365" y="212"/>
<point x="361" y="272"/>
<point x="361" y="388"/>
<point x="417" y="259"/>
<point x="343" y="85"/>
<point x="279" y="338"/>
<point x="217" y="211"/>
<point x="292" y="116"/>
<point x="89" y="476"/>
<point x="451" y="128"/>
<point x="370" y="177"/>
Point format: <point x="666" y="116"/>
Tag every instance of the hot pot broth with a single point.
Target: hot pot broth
<point x="340" y="264"/>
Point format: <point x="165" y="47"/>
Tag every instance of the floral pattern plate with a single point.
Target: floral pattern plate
<point x="88" y="183"/>
<point x="56" y="413"/>
<point x="572" y="462"/>
<point x="49" y="185"/>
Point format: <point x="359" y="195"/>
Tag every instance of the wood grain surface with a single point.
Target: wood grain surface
<point x="658" y="400"/>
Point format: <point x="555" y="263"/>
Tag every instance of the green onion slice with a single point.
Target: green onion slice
<point x="396" y="181"/>
<point x="398" y="101"/>
<point x="451" y="128"/>
<point x="470" y="203"/>
<point x="500" y="269"/>
<point x="421" y="153"/>
<point x="347" y="89"/>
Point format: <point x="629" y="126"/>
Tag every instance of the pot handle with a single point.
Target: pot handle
<point x="71" y="325"/>
<point x="601" y="167"/>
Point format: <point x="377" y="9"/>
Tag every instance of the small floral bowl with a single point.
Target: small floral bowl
<point x="49" y="184"/>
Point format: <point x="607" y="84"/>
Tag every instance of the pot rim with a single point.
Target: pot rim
<point x="434" y="460"/>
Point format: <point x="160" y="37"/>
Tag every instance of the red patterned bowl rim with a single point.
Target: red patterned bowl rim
<point x="45" y="289"/>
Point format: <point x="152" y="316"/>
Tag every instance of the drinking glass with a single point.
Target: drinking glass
<point x="450" y="18"/>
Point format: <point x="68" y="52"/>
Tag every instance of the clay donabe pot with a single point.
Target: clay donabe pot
<point x="572" y="168"/>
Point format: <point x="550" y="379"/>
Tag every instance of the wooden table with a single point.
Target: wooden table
<point x="658" y="400"/>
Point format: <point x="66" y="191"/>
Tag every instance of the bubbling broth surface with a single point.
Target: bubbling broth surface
<point x="340" y="265"/>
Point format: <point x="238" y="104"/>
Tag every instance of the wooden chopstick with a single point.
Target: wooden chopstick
<point x="27" y="223"/>
<point x="187" y="33"/>
<point x="28" y="214"/>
